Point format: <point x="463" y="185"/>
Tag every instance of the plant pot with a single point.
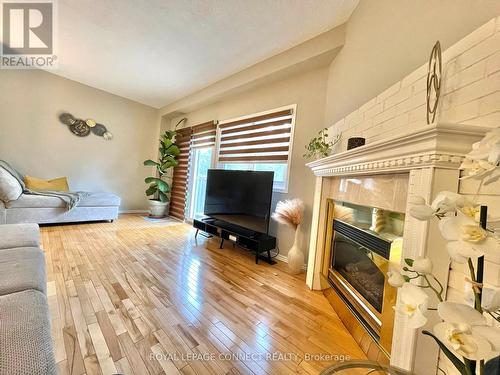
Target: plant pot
<point x="295" y="255"/>
<point x="157" y="208"/>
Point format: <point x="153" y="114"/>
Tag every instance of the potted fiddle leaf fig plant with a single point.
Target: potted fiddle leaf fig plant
<point x="158" y="188"/>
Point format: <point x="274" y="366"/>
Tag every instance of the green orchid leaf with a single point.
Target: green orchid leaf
<point x="470" y="366"/>
<point x="492" y="366"/>
<point x="459" y="365"/>
<point x="409" y="262"/>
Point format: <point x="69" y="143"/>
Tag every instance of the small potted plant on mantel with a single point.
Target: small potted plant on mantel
<point x="321" y="146"/>
<point x="158" y="189"/>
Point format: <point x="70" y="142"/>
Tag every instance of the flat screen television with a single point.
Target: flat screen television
<point x="242" y="198"/>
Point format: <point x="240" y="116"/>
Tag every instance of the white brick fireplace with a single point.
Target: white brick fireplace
<point x="430" y="157"/>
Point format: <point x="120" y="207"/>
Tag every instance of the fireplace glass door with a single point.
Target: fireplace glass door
<point x="361" y="269"/>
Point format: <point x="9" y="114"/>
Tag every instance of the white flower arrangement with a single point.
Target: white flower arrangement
<point x="463" y="335"/>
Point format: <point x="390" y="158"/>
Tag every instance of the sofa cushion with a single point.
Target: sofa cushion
<point x="10" y="188"/>
<point x="41" y="201"/>
<point x="25" y="341"/>
<point x="56" y="184"/>
<point x="21" y="269"/>
<point x="19" y="235"/>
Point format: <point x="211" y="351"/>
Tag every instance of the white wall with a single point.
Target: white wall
<point x="307" y="90"/>
<point x="34" y="141"/>
<point x="469" y="93"/>
<point x="388" y="39"/>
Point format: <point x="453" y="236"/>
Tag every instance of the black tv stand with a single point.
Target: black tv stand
<point x="242" y="237"/>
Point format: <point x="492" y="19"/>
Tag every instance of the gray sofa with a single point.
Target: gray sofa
<point x="47" y="210"/>
<point x="21" y="205"/>
<point x="25" y="339"/>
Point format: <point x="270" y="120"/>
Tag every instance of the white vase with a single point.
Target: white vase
<point x="295" y="255"/>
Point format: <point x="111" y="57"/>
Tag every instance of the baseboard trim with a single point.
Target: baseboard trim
<point x="133" y="212"/>
<point x="284" y="258"/>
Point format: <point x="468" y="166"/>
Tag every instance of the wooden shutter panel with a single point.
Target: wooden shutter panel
<point x="181" y="173"/>
<point x="259" y="138"/>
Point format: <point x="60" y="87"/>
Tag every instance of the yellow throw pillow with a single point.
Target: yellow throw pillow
<point x="57" y="184"/>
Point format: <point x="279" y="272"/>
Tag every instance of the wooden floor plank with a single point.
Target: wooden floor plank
<point x="141" y="298"/>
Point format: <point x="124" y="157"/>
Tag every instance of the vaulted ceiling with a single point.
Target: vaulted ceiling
<point x="158" y="51"/>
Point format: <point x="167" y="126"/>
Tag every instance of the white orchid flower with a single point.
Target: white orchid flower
<point x="471" y="211"/>
<point x="422" y="265"/>
<point x="422" y="212"/>
<point x="461" y="227"/>
<point x="490" y="334"/>
<point x="413" y="303"/>
<point x="462" y="340"/>
<point x="477" y="169"/>
<point x="447" y="201"/>
<point x="494" y="156"/>
<point x="395" y="278"/>
<point x="488" y="149"/>
<point x="465" y="332"/>
<point x="452" y="312"/>
<point x="492" y="177"/>
<point x="461" y="251"/>
<point x="417" y="200"/>
<point x="466" y="238"/>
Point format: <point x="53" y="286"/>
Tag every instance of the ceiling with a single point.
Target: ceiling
<point x="158" y="51"/>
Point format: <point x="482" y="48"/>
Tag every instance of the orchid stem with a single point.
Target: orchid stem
<point x="497" y="318"/>
<point x="438" y="294"/>
<point x="477" y="296"/>
<point x="441" y="287"/>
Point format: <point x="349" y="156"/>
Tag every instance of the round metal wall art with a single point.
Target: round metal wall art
<point x="434" y="82"/>
<point x="79" y="128"/>
<point x="83" y="128"/>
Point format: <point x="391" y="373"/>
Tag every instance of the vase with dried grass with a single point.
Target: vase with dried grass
<point x="289" y="212"/>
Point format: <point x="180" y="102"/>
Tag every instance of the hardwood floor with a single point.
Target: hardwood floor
<point x="135" y="297"/>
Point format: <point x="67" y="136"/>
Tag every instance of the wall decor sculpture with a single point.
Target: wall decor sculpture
<point x="434" y="82"/>
<point x="83" y="128"/>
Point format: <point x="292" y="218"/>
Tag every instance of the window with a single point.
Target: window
<point x="279" y="169"/>
<point x="201" y="162"/>
<point x="260" y="142"/>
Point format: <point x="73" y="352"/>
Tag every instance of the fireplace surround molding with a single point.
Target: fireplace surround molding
<point x="431" y="157"/>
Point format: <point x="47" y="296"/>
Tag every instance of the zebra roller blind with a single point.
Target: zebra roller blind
<point x="264" y="138"/>
<point x="204" y="135"/>
<point x="181" y="173"/>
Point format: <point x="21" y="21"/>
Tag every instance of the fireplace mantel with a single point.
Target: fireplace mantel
<point x="439" y="145"/>
<point x="431" y="156"/>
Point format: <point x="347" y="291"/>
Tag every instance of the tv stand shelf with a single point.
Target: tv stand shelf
<point x="245" y="238"/>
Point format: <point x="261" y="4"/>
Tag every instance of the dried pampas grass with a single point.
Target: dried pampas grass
<point x="289" y="212"/>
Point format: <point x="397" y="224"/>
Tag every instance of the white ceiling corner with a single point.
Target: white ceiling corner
<point x="158" y="51"/>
